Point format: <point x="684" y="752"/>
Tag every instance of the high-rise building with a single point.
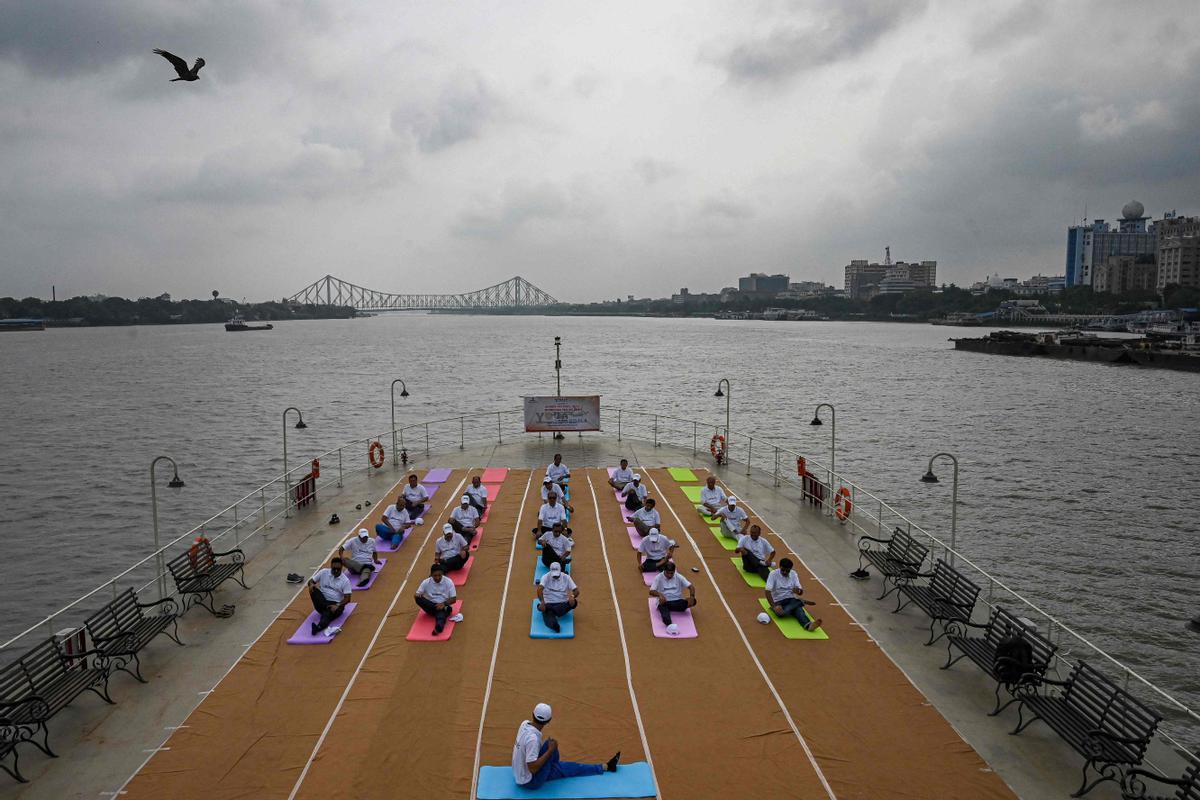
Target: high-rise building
<point x="1179" y="261"/>
<point x="1125" y="274"/>
<point x="762" y="283"/>
<point x="1090" y="246"/>
<point x="864" y="279"/>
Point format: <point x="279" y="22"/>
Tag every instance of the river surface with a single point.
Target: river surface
<point x="1078" y="481"/>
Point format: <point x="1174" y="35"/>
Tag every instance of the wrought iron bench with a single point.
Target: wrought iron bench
<point x="37" y="686"/>
<point x="1186" y="788"/>
<point x="899" y="556"/>
<point x="1101" y="721"/>
<point x="947" y="595"/>
<point x="121" y="629"/>
<point x="198" y="574"/>
<point x="982" y="650"/>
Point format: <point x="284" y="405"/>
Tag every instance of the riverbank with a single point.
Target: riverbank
<point x="86" y="312"/>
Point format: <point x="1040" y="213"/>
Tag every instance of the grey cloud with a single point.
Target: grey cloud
<point x="521" y="204"/>
<point x="1017" y="23"/>
<point x="459" y="114"/>
<point x="725" y="207"/>
<point x="653" y="170"/>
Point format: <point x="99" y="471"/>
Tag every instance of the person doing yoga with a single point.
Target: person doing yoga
<point x="536" y="761"/>
<point x="756" y="552"/>
<point x="557" y="596"/>
<point x="784" y="593"/>
<point x="621" y="475"/>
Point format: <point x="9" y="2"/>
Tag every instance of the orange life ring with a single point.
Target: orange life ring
<point x="718" y="454"/>
<point x="375" y="455"/>
<point x="842" y="505"/>
<point x="194" y="551"/>
<point x="316" y="468"/>
<point x="801" y="466"/>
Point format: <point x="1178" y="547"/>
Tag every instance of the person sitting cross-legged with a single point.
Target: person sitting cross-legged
<point x="435" y="596"/>
<point x="549" y="487"/>
<point x="535" y="762"/>
<point x="668" y="587"/>
<point x="634" y="493"/>
<point x="551" y="512"/>
<point x="785" y="595"/>
<point x="395" y="521"/>
<point x="478" y="494"/>
<point x="734" y="519"/>
<point x="362" y="557"/>
<point x="416" y="497"/>
<point x="450" y="550"/>
<point x="621" y="475"/>
<point x="465" y="518"/>
<point x="329" y="591"/>
<point x="756" y="552"/>
<point x="556" y="546"/>
<point x="654" y="551"/>
<point x="646" y="517"/>
<point x="557" y="595"/>
<point x="712" y="498"/>
<point x="558" y="471"/>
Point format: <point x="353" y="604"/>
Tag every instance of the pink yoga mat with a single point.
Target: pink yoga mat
<point x="478" y="538"/>
<point x="493" y="493"/>
<point x="635" y="538"/>
<point x="436" y="476"/>
<point x="459" y="576"/>
<point x="303" y="634"/>
<point x="681" y="619"/>
<point x="354" y="579"/>
<point x="422" y="627"/>
<point x="494" y="475"/>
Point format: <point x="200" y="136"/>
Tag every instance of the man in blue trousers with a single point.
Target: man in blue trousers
<point x="535" y="761"/>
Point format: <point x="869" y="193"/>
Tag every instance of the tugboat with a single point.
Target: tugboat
<point x="236" y="323"/>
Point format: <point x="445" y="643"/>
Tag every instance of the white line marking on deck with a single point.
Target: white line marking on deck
<point x="366" y="653"/>
<point x="749" y="648"/>
<point x="637" y="712"/>
<point x="487" y="690"/>
<point x="155" y="749"/>
<point x="175" y="727"/>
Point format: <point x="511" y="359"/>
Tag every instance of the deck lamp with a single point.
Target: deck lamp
<point x="403" y="393"/>
<point x="174" y="483"/>
<point x="816" y="420"/>
<point x="287" y="488"/>
<point x="929" y="477"/>
<point x="728" y="395"/>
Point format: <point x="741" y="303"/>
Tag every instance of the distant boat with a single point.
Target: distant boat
<point x="236" y="323"/>
<point x="963" y="319"/>
<point x="22" y="324"/>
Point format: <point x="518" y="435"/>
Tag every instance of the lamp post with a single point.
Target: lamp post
<point x="287" y="484"/>
<point x="816" y="420"/>
<point x="929" y="477"/>
<point x="558" y="375"/>
<point x="728" y="395"/>
<point x="174" y="483"/>
<point x="403" y="393"/>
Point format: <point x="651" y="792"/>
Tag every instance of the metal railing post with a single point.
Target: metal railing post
<point x="694" y="435"/>
<point x="236" y="528"/>
<point x="749" y="454"/>
<point x="462" y="432"/>
<point x="776" y="465"/>
<point x="339" y="467"/>
<point x="262" y="504"/>
<point x="656" y="430"/>
<point x="499" y="430"/>
<point x="879" y="521"/>
<point x="113" y="584"/>
<point x="427" y="438"/>
<point x="618" y="424"/>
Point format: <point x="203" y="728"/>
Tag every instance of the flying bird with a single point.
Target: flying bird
<point x="185" y="74"/>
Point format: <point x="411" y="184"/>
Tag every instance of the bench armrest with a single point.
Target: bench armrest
<point x="236" y="550"/>
<point x="120" y="635"/>
<point x="1119" y="739"/>
<point x="865" y="538"/>
<point x="170" y="601"/>
<point x="33" y="699"/>
<point x="81" y="654"/>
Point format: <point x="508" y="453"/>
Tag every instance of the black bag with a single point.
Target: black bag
<point x="1014" y="658"/>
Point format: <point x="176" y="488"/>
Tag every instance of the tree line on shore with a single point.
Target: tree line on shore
<point x="161" y="310"/>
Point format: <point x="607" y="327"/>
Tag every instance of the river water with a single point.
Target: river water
<point x="1078" y="480"/>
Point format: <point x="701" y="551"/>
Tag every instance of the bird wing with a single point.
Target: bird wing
<point x="180" y="65"/>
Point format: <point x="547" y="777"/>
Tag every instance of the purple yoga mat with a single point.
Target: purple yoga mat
<point x="635" y="538"/>
<point x="303" y="634"/>
<point x="354" y="579"/>
<point x="436" y="476"/>
<point x="385" y="545"/>
<point x="648" y="577"/>
<point x="681" y="619"/>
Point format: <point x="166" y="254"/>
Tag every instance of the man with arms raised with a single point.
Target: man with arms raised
<point x="712" y="498"/>
<point x="621" y="475"/>
<point x="329" y="591"/>
<point x="646" y="517"/>
<point x="535" y="762"/>
<point x="362" y="558"/>
<point x="668" y="587"/>
<point x="465" y="519"/>
<point x="436" y="596"/>
<point x="450" y="550"/>
<point x="756" y="552"/>
<point x="557" y="596"/>
<point x="784" y="593"/>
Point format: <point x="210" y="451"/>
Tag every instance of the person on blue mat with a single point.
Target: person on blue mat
<point x="450" y="550"/>
<point x="756" y="552"/>
<point x="557" y="596"/>
<point x="634" y="493"/>
<point x="549" y="487"/>
<point x="436" y="596"/>
<point x="556" y="546"/>
<point x="558" y="471"/>
<point x="536" y="761"/>
<point x="478" y="494"/>
<point x="712" y="498"/>
<point x="465" y="518"/>
<point x="646" y="518"/>
<point x="668" y="587"/>
<point x="395" y="521"/>
<point x="329" y="591"/>
<point x="363" y="559"/>
<point x="415" y="497"/>
<point x="656" y="549"/>
<point x="551" y="512"/>
<point x="733" y="519"/>
<point x="785" y="595"/>
<point x="621" y="475"/>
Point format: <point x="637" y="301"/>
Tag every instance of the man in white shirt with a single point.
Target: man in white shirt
<point x="535" y="762"/>
<point x="621" y="475"/>
<point x="634" y="493"/>
<point x="450" y="550"/>
<point x="465" y="518"/>
<point x="656" y="550"/>
<point x="734" y="520"/>
<point x="756" y="552"/>
<point x="551" y="512"/>
<point x="436" y="596"/>
<point x="415" y="497"/>
<point x="668" y="587"/>
<point x="549" y="487"/>
<point x="395" y="521"/>
<point x="329" y="590"/>
<point x="646" y="518"/>
<point x="478" y="494"/>
<point x="556" y="546"/>
<point x="558" y="471"/>
<point x="712" y="498"/>
<point x="557" y="595"/>
<point x="784" y="593"/>
<point x="359" y="556"/>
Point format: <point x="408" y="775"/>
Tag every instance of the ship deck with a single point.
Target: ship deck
<point x="738" y="711"/>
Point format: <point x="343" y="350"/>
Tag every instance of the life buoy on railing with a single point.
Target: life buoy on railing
<point x="316" y="468"/>
<point x="801" y="466"/>
<point x="194" y="550"/>
<point x="717" y="452"/>
<point x="842" y="505"/>
<point x="375" y="455"/>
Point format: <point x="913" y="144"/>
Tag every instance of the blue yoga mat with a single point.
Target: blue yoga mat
<point x="630" y="780"/>
<point x="542" y="569"/>
<point x="538" y="630"/>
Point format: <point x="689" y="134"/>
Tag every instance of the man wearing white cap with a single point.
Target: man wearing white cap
<point x="756" y="552"/>
<point x="415" y="497"/>
<point x="551" y="512"/>
<point x="549" y="487"/>
<point x="465" y="518"/>
<point x="656" y="549"/>
<point x="535" y="762"/>
<point x="478" y="494"/>
<point x="621" y="475"/>
<point x="556" y="546"/>
<point x="646" y="517"/>
<point x="634" y="493"/>
<point x="785" y="595"/>
<point x="712" y="498"/>
<point x="668" y="587"/>
<point x="436" y="596"/>
<point x="395" y="521"/>
<point x="450" y="550"/>
<point x="363" y="557"/>
<point x="557" y="596"/>
<point x="734" y="520"/>
<point x="558" y="471"/>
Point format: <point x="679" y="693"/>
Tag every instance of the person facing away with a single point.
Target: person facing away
<point x="329" y="591"/>
<point x="435" y="596"/>
<point x="734" y="518"/>
<point x="646" y="517"/>
<point x="557" y="596"/>
<point x="450" y="550"/>
<point x="621" y="475"/>
<point x="557" y="470"/>
<point x="785" y="595"/>
<point x="556" y="546"/>
<point x="395" y="521"/>
<point x="360" y="556"/>
<point x="756" y="552"/>
<point x="712" y="498"/>
<point x="551" y="512"/>
<point x="536" y="761"/>
<point x="669" y="587"/>
<point x="634" y="493"/>
<point x="478" y="494"/>
<point x="465" y="518"/>
<point x="415" y="497"/>
<point x="654" y="551"/>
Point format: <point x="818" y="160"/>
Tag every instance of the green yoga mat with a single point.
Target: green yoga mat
<point x="752" y="578"/>
<point x="726" y="542"/>
<point x="790" y="627"/>
<point x="692" y="492"/>
<point x="682" y="475"/>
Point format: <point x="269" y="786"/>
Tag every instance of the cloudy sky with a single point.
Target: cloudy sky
<point x="597" y="149"/>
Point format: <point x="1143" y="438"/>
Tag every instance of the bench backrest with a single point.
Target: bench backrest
<point x="952" y="586"/>
<point x="1003" y="624"/>
<point x="1108" y="707"/>
<point x="118" y="616"/>
<point x="1190" y="790"/>
<point x="197" y="561"/>
<point x="43" y="665"/>
<point x="903" y="548"/>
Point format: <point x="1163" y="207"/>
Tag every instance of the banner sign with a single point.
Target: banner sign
<point x="545" y="414"/>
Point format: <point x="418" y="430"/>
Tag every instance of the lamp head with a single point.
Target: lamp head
<point x="719" y="392"/>
<point x="176" y="482"/>
<point x="816" y="421"/>
<point x="300" y="425"/>
<point x="929" y="477"/>
<point x="403" y="392"/>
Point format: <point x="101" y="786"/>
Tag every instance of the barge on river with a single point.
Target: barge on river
<point x="1077" y="346"/>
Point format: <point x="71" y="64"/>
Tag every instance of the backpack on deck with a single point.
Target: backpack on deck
<point x="1014" y="658"/>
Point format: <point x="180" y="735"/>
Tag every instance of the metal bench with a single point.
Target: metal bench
<point x="1186" y="788"/>
<point x="947" y="595"/>
<point x="982" y="650"/>
<point x="198" y="574"/>
<point x="37" y="686"/>
<point x="121" y="629"/>
<point x="1101" y="721"/>
<point x="899" y="556"/>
